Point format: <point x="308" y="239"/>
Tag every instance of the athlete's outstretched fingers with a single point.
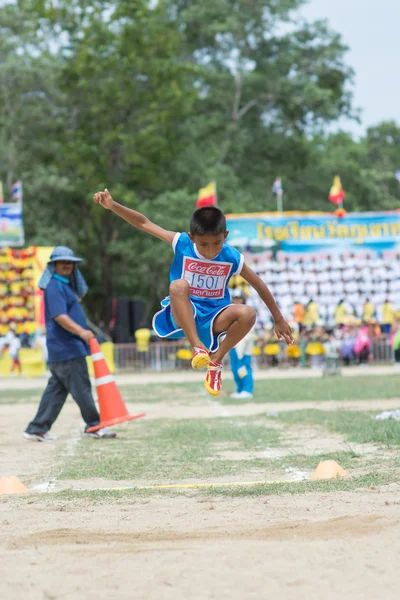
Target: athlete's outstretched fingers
<point x="283" y="330"/>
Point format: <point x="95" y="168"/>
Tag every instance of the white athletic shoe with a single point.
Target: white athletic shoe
<point x="241" y="396"/>
<point x="101" y="433"/>
<point x="40" y="437"/>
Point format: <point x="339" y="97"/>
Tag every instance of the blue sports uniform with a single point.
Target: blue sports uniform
<point x="209" y="292"/>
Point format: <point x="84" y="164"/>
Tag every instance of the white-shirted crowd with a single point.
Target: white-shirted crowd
<point x="327" y="279"/>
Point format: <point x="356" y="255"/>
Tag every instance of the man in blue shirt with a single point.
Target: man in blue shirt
<point x="67" y="344"/>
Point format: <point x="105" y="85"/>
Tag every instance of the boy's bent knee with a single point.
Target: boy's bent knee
<point x="248" y="315"/>
<point x="179" y="287"/>
<point x="251" y="315"/>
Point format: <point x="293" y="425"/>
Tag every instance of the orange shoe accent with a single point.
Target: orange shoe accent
<point x="112" y="408"/>
<point x="213" y="382"/>
<point x="200" y="359"/>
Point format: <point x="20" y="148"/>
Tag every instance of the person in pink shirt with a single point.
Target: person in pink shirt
<point x="362" y="347"/>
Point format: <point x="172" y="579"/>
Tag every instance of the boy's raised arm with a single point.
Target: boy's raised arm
<point x="134" y="218"/>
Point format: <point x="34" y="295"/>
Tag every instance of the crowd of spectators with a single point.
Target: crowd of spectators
<point x="345" y="304"/>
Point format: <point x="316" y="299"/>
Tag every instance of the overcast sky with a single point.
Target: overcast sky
<point x="371" y="29"/>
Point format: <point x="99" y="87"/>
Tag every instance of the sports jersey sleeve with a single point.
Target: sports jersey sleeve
<point x="182" y="244"/>
<point x="237" y="261"/>
<point x="176" y="240"/>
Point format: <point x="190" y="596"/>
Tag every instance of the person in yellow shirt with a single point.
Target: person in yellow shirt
<point x="293" y="352"/>
<point x="388" y="316"/>
<point x="340" y="312"/>
<point x="311" y="315"/>
<point x="369" y="310"/>
<point x="315" y="350"/>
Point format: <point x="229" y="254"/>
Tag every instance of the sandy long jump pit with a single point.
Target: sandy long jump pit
<point x="73" y="537"/>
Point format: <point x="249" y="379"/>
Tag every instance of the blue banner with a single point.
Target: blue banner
<point x="311" y="232"/>
<point x="11" y="225"/>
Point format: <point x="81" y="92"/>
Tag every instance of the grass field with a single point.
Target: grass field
<point x="107" y="490"/>
<point x="275" y="390"/>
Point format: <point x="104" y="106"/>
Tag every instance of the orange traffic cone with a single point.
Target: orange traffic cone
<point x="112" y="407"/>
<point x="12" y="485"/>
<point x="329" y="469"/>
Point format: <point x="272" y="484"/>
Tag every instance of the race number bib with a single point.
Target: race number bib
<point x="206" y="279"/>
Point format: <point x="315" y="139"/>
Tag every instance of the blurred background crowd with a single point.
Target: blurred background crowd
<point x="347" y="304"/>
<point x="344" y="307"/>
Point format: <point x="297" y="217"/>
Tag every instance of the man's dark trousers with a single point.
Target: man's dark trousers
<point x="67" y="376"/>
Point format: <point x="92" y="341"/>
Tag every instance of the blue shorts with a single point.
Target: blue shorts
<point x="165" y="327"/>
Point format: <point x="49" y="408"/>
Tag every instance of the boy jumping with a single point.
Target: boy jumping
<point x="199" y="305"/>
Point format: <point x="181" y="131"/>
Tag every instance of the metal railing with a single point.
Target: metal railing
<point x="382" y="351"/>
<point x="165" y="356"/>
<point x="160" y="356"/>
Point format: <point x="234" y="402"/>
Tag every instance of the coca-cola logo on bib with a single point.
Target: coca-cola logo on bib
<point x="206" y="279"/>
<point x="195" y="267"/>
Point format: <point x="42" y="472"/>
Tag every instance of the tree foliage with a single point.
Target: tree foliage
<point x="153" y="100"/>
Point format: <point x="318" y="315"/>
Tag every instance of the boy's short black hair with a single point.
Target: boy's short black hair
<point x="209" y="220"/>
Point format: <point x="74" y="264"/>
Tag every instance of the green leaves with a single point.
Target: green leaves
<point x="153" y="101"/>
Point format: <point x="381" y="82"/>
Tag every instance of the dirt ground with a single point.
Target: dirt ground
<point x="292" y="547"/>
<point x="288" y="547"/>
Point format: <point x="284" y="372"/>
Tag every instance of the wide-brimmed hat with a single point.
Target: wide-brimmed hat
<point x="77" y="281"/>
<point x="64" y="253"/>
